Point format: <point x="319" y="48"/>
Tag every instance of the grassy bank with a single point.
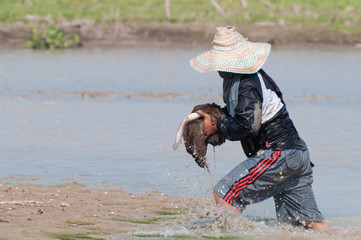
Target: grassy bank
<point x="344" y="15"/>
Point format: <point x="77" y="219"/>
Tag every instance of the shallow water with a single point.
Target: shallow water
<point x="109" y="117"/>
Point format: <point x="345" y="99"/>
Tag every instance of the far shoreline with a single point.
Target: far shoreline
<point x="182" y="35"/>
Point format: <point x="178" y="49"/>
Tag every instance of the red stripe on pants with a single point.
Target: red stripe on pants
<point x="254" y="173"/>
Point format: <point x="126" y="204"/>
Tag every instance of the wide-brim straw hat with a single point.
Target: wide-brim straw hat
<point x="232" y="53"/>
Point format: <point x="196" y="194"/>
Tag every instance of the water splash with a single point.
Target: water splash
<point x="204" y="220"/>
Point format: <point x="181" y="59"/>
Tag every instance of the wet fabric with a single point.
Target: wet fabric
<point x="284" y="175"/>
<point x="230" y="92"/>
<point x="277" y="133"/>
<point x="271" y="103"/>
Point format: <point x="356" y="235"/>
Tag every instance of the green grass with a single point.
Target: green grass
<point x="176" y="236"/>
<point x="141" y="10"/>
<point x="171" y="212"/>
<point x="291" y="11"/>
<point x="183" y="236"/>
<point x="72" y="222"/>
<point x="227" y="237"/>
<point x="50" y="38"/>
<point x="76" y="236"/>
<point x="141" y="221"/>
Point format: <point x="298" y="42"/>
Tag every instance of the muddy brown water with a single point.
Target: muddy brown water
<point x="108" y="118"/>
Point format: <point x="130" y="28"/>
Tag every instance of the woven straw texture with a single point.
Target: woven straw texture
<point x="232" y="53"/>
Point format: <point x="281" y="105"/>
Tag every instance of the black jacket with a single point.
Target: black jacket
<point x="277" y="133"/>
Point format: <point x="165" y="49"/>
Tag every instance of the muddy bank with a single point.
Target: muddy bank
<point x="120" y="33"/>
<point x="30" y="211"/>
<point x="72" y="211"/>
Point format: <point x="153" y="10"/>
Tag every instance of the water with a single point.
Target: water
<point x="109" y="118"/>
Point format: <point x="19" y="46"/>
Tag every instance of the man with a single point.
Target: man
<point x="279" y="165"/>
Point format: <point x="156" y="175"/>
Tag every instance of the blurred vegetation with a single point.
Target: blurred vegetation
<point x="343" y="14"/>
<point x="51" y="38"/>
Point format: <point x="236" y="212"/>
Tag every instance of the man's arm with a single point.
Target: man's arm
<point x="247" y="119"/>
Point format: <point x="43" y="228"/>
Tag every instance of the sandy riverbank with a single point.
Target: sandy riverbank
<point x="67" y="211"/>
<point x="71" y="211"/>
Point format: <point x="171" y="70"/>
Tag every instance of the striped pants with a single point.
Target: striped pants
<point x="284" y="175"/>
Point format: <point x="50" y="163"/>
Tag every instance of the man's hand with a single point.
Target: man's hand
<point x="210" y="124"/>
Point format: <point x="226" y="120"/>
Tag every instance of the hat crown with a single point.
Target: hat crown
<point x="227" y="37"/>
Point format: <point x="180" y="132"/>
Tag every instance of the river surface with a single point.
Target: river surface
<point x="108" y="118"/>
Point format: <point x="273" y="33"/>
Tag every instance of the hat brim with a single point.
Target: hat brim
<point x="247" y="59"/>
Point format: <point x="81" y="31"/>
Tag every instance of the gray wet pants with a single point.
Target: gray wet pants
<point x="284" y="175"/>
